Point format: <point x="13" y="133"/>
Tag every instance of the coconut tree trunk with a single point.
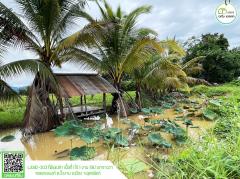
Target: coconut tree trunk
<point x="118" y="103"/>
<point x="114" y="105"/>
<point x="40" y="114"/>
<point x="138" y="98"/>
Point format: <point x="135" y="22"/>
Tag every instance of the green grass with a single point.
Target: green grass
<point x="217" y="153"/>
<point x="11" y="114"/>
<point x="97" y="99"/>
<point x="221" y="91"/>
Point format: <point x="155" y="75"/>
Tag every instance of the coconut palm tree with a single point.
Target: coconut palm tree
<point x="166" y="71"/>
<point x="159" y="71"/>
<point x="42" y="28"/>
<point x="120" y="48"/>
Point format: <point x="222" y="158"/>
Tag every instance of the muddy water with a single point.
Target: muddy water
<point x="46" y="146"/>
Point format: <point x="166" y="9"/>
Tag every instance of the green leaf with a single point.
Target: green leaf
<point x="178" y="133"/>
<point x="188" y="122"/>
<point x="146" y="111"/>
<point x="156" y="110"/>
<point x="69" y="128"/>
<point x="167" y="105"/>
<point x="156" y="138"/>
<point x="111" y="134"/>
<point x="89" y="135"/>
<point x="135" y="125"/>
<point x="8" y="138"/>
<point x="215" y="102"/>
<point x="209" y="114"/>
<point x="133" y="111"/>
<point x="132" y="166"/>
<point x="178" y="110"/>
<point x="147" y="128"/>
<point x="62" y="131"/>
<point x="83" y="153"/>
<point x="121" y="140"/>
<point x="156" y="121"/>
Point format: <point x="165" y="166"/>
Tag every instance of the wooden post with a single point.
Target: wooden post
<point x="81" y="101"/>
<point x="104" y="102"/>
<point x="85" y="103"/>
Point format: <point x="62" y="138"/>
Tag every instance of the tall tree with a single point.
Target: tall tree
<point x="119" y="50"/>
<point x="220" y="64"/>
<point x="167" y="71"/>
<point x="42" y="28"/>
<point x="161" y="72"/>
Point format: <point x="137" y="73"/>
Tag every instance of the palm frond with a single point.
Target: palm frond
<point x="109" y="10"/>
<point x="173" y="47"/>
<point x="141" y="51"/>
<point x="66" y="20"/>
<point x="82" y="58"/>
<point x="85" y="37"/>
<point x="146" y="32"/>
<point x="7" y="94"/>
<point x="193" y="62"/>
<point x="14" y="31"/>
<point x="32" y="66"/>
<point x="132" y="17"/>
<point x="103" y="13"/>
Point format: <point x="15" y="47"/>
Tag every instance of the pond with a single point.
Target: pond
<point x="47" y="146"/>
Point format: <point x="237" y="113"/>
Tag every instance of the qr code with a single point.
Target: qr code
<point x="13" y="164"/>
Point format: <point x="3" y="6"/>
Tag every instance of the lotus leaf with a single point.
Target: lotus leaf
<point x="135" y="125"/>
<point x="156" y="138"/>
<point x="89" y="135"/>
<point x="132" y="166"/>
<point x="147" y="128"/>
<point x="188" y="122"/>
<point x="146" y="111"/>
<point x="83" y="153"/>
<point x="167" y="105"/>
<point x="8" y="138"/>
<point x="215" y="102"/>
<point x="178" y="133"/>
<point x="156" y="110"/>
<point x="157" y="121"/>
<point x="178" y="110"/>
<point x="111" y="134"/>
<point x="121" y="140"/>
<point x="209" y="114"/>
<point x="133" y="111"/>
<point x="68" y="128"/>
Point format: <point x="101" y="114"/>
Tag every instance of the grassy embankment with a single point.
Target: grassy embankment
<point x="11" y="114"/>
<point x="217" y="153"/>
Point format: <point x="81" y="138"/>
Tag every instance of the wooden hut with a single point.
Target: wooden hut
<point x="82" y="85"/>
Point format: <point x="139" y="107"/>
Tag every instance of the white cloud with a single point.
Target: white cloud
<point x="170" y="18"/>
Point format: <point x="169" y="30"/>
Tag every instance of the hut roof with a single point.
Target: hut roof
<point x="83" y="84"/>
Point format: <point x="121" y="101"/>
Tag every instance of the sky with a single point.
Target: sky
<point x="172" y="18"/>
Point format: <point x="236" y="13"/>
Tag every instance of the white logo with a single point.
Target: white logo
<point x="226" y="13"/>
